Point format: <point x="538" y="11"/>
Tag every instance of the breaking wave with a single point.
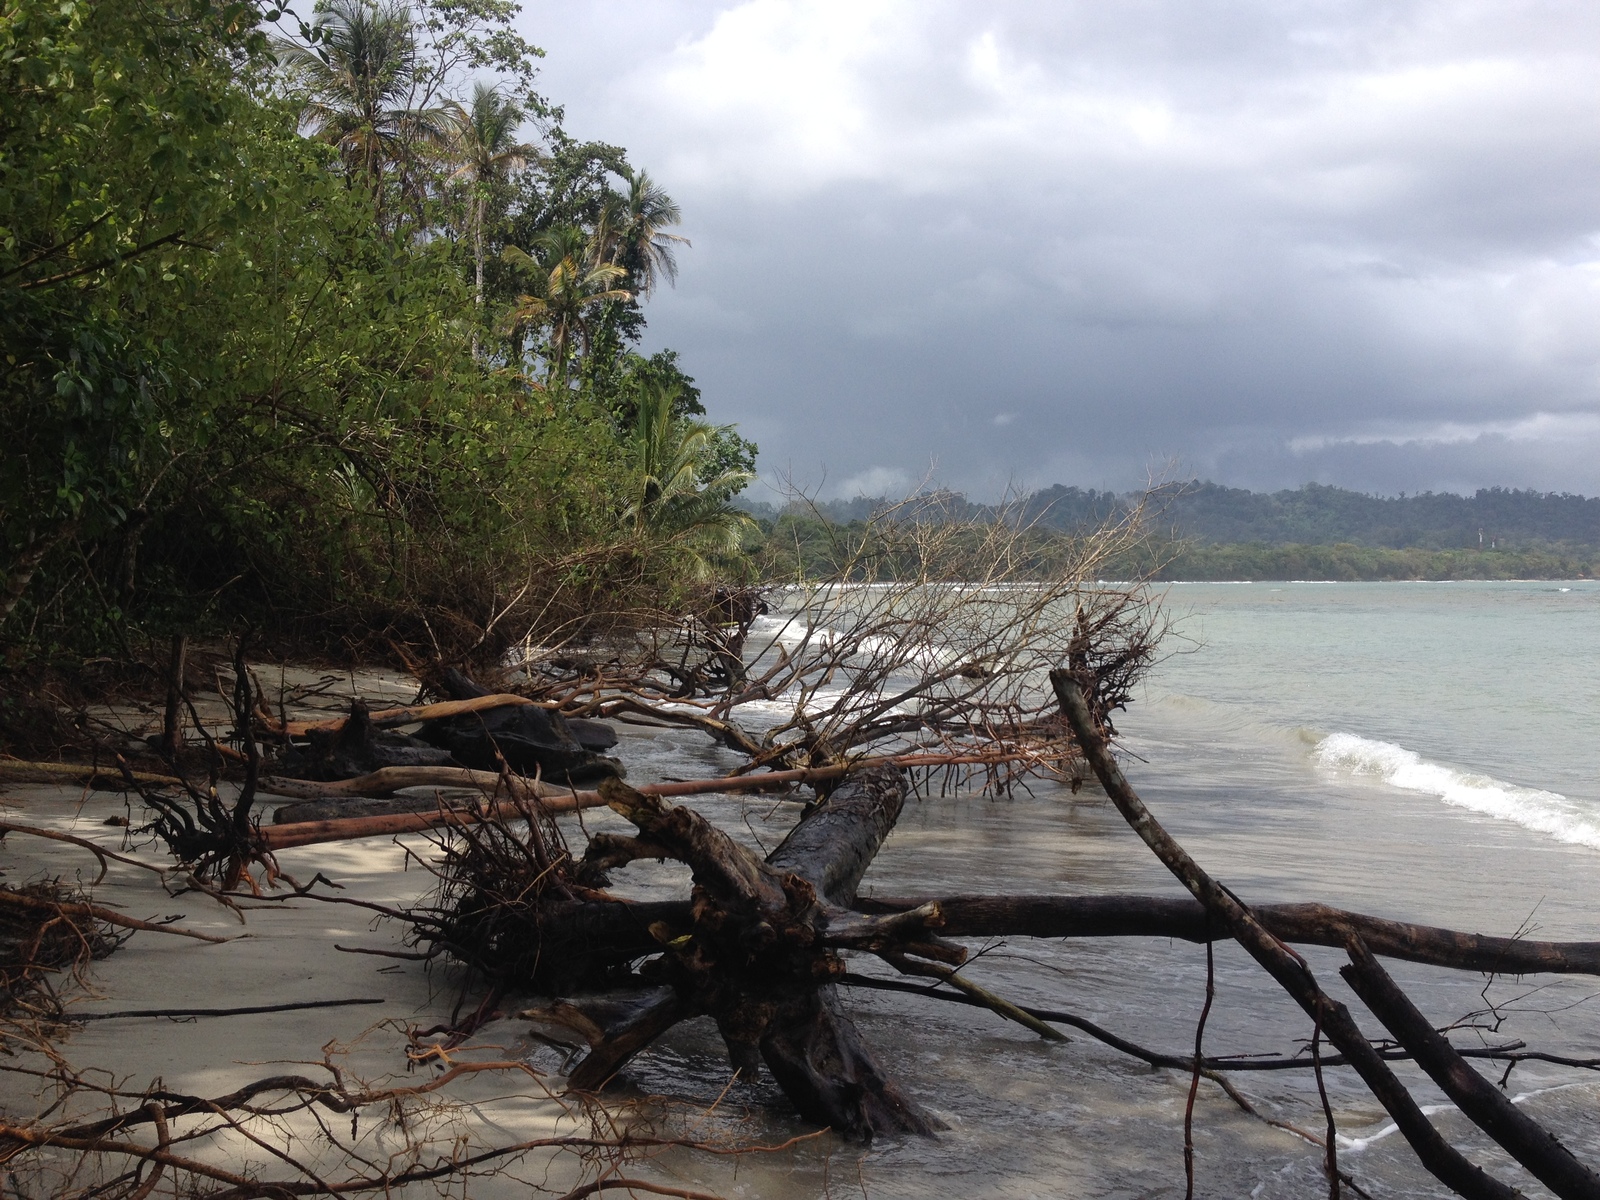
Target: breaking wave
<point x="1545" y="812"/>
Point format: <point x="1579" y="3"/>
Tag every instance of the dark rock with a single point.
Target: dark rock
<point x="358" y="749"/>
<point x="533" y="740"/>
<point x="592" y="735"/>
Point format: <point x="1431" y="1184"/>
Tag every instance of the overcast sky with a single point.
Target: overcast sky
<point x="1035" y="242"/>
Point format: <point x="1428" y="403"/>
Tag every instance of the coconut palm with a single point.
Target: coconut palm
<point x="483" y="141"/>
<point x="673" y="499"/>
<point x="360" y="85"/>
<point x="568" y="284"/>
<point x="634" y="228"/>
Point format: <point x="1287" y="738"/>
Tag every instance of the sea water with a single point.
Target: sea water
<point x="1423" y="751"/>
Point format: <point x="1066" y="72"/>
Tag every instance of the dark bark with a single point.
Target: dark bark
<point x="817" y="1056"/>
<point x="811" y="1047"/>
<point x="529" y="739"/>
<point x="656" y="1012"/>
<point x="621" y="925"/>
<point x="172" y="718"/>
<point x="1184" y="917"/>
<point x="755" y="958"/>
<point x="1290" y="971"/>
<point x="1485" y="1105"/>
<point x="835" y="843"/>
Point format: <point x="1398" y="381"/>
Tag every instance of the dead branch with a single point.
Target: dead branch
<point x="244" y="1011"/>
<point x="1287" y="968"/>
<point x="1118" y="915"/>
<point x="392" y="718"/>
<point x="1487" y="1106"/>
<point x="94" y="912"/>
<point x="112" y="778"/>
<point x="524" y="791"/>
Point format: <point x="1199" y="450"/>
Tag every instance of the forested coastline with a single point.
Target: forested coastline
<point x="1205" y="532"/>
<point x="327" y="328"/>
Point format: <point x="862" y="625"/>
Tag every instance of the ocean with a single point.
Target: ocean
<point x="1423" y="751"/>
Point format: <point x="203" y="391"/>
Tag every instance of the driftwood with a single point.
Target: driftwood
<point x="393" y="718"/>
<point x="760" y="944"/>
<point x="758" y="947"/>
<point x="1330" y="1017"/>
<point x="1300" y="924"/>
<point x="757" y="950"/>
<point x="758" y="958"/>
<point x="388" y="780"/>
<point x="426" y="814"/>
<point x="358" y="747"/>
<point x="623" y="927"/>
<point x="113" y="778"/>
<point x="1488" y="1107"/>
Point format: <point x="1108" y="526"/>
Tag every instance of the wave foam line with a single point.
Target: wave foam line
<point x="1544" y="812"/>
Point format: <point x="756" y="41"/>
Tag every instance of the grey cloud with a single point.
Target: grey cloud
<point x="1203" y="232"/>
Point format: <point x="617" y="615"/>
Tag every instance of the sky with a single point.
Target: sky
<point x="1009" y="244"/>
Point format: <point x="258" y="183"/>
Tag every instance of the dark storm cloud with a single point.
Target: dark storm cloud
<point x="1074" y="242"/>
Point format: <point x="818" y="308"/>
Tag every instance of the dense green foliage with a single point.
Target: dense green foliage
<point x="1319" y="515"/>
<point x="274" y="348"/>
<point x="1315" y="514"/>
<point x="1344" y="561"/>
<point x="1537" y="536"/>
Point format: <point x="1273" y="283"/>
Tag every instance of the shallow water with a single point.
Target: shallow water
<point x="1422" y="751"/>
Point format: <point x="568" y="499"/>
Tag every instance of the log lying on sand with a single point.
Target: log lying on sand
<point x="15" y="770"/>
<point x="393" y="718"/>
<point x="389" y="780"/>
<point x="358" y="747"/>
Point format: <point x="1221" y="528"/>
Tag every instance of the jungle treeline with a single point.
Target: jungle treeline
<point x="1203" y="531"/>
<point x="325" y="327"/>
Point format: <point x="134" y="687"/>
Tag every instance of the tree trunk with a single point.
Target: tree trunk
<point x="1331" y="1018"/>
<point x="755" y="957"/>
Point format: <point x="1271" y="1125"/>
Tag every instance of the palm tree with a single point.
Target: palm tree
<point x="567" y="284"/>
<point x="635" y="229"/>
<point x="483" y="140"/>
<point x="673" y="498"/>
<point x="360" y="85"/>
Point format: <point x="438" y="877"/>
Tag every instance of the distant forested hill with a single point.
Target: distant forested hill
<point x="1209" y="513"/>
<point x="1206" y="531"/>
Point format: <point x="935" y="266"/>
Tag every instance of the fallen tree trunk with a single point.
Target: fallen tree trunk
<point x="753" y="951"/>
<point x="1291" y="972"/>
<point x="1487" y="1106"/>
<point x="114" y="778"/>
<point x="390" y="779"/>
<point x="1302" y="924"/>
<point x="391" y="718"/>
<point x="811" y="1047"/>
<point x="621" y="926"/>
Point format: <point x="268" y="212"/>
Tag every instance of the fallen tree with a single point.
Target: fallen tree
<point x="762" y="944"/>
<point x="759" y="946"/>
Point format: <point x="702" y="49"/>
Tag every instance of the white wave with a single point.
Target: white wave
<point x="1545" y="812"/>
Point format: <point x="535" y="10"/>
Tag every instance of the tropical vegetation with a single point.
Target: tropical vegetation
<point x="328" y="328"/>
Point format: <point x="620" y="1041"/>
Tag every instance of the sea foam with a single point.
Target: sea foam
<point x="1545" y="812"/>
